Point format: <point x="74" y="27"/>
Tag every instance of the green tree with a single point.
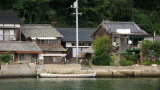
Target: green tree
<point x="154" y="46"/>
<point x="5" y="57"/>
<point x="146" y="46"/>
<point x="102" y="47"/>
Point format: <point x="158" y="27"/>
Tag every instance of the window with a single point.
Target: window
<point x="82" y="44"/>
<point x="11" y="36"/>
<point x="59" y="59"/>
<point x="50" y="42"/>
<point x="12" y="58"/>
<point x="21" y="57"/>
<point x="7" y="35"/>
<point x="56" y="59"/>
<point x="1" y="34"/>
<point x="115" y="39"/>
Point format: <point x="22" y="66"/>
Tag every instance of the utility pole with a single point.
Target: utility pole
<point x="75" y="5"/>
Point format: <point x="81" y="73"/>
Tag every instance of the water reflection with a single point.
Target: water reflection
<point x="80" y="84"/>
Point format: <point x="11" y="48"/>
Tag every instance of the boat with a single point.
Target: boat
<point x="49" y="75"/>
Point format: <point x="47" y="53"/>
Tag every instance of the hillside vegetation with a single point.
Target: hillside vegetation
<point x="145" y="13"/>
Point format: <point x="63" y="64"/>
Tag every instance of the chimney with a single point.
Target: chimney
<point x="53" y="22"/>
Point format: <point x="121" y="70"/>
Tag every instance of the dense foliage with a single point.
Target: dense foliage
<point x="128" y="60"/>
<point x="151" y="48"/>
<point x="5" y="57"/>
<point x="151" y="52"/>
<point x="144" y="13"/>
<point x="102" y="47"/>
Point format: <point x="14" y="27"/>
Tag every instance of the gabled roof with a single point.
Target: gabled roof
<point x="70" y="34"/>
<point x="19" y="46"/>
<point x="111" y="27"/>
<point x="39" y="30"/>
<point x="9" y="17"/>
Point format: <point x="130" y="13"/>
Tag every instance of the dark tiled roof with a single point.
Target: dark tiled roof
<point x="113" y="26"/>
<point x="19" y="46"/>
<point x="70" y="34"/>
<point x="52" y="48"/>
<point x="9" y="17"/>
<point x="39" y="30"/>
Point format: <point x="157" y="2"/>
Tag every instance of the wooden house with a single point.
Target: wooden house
<point x="49" y="41"/>
<point x="10" y="39"/>
<point x="69" y="40"/>
<point x="9" y="26"/>
<point x="125" y="35"/>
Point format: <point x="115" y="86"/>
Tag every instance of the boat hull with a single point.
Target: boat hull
<point x="48" y="75"/>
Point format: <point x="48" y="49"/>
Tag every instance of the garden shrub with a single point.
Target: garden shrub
<point x="5" y="57"/>
<point x="157" y="62"/>
<point x="102" y="47"/>
<point x="146" y="62"/>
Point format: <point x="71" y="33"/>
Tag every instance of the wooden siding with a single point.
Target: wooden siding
<point x="100" y="32"/>
<point x="48" y="60"/>
<point x="69" y="53"/>
<point x="17" y="32"/>
<point x="123" y="44"/>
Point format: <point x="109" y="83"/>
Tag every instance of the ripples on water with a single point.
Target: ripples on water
<point x="80" y="84"/>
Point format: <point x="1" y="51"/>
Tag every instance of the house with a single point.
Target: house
<point x="125" y="35"/>
<point x="49" y="41"/>
<point x="153" y="38"/>
<point x="22" y="52"/>
<point x="9" y="26"/>
<point x="10" y="39"/>
<point x="69" y="40"/>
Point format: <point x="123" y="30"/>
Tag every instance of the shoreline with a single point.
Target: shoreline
<point x="32" y="71"/>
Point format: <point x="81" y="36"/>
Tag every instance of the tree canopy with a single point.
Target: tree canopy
<point x="145" y="13"/>
<point x="102" y="47"/>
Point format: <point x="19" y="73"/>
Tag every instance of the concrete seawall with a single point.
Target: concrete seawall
<point x="101" y="71"/>
<point x="126" y="71"/>
<point x="68" y="68"/>
<point x="17" y="71"/>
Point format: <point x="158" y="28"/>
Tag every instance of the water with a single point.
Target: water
<point x="80" y="84"/>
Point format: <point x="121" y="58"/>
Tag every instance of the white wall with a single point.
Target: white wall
<point x="148" y="38"/>
<point x="41" y="56"/>
<point x="11" y="25"/>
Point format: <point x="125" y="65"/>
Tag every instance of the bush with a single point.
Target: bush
<point x="146" y="62"/>
<point x="114" y="60"/>
<point x="133" y="57"/>
<point x="148" y="45"/>
<point x="5" y="57"/>
<point x="102" y="59"/>
<point x="102" y="47"/>
<point x="126" y="62"/>
<point x="157" y="62"/>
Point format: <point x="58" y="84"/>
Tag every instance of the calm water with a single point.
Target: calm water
<point x="80" y="84"/>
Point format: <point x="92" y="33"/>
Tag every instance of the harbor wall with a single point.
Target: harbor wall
<point x="126" y="71"/>
<point x="60" y="69"/>
<point x="17" y="71"/>
<point x="101" y="71"/>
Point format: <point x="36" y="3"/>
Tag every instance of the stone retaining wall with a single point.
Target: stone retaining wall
<point x="17" y="71"/>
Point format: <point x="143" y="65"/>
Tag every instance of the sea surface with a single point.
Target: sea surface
<point x="80" y="84"/>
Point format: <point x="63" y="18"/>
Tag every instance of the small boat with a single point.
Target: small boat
<point x="49" y="75"/>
